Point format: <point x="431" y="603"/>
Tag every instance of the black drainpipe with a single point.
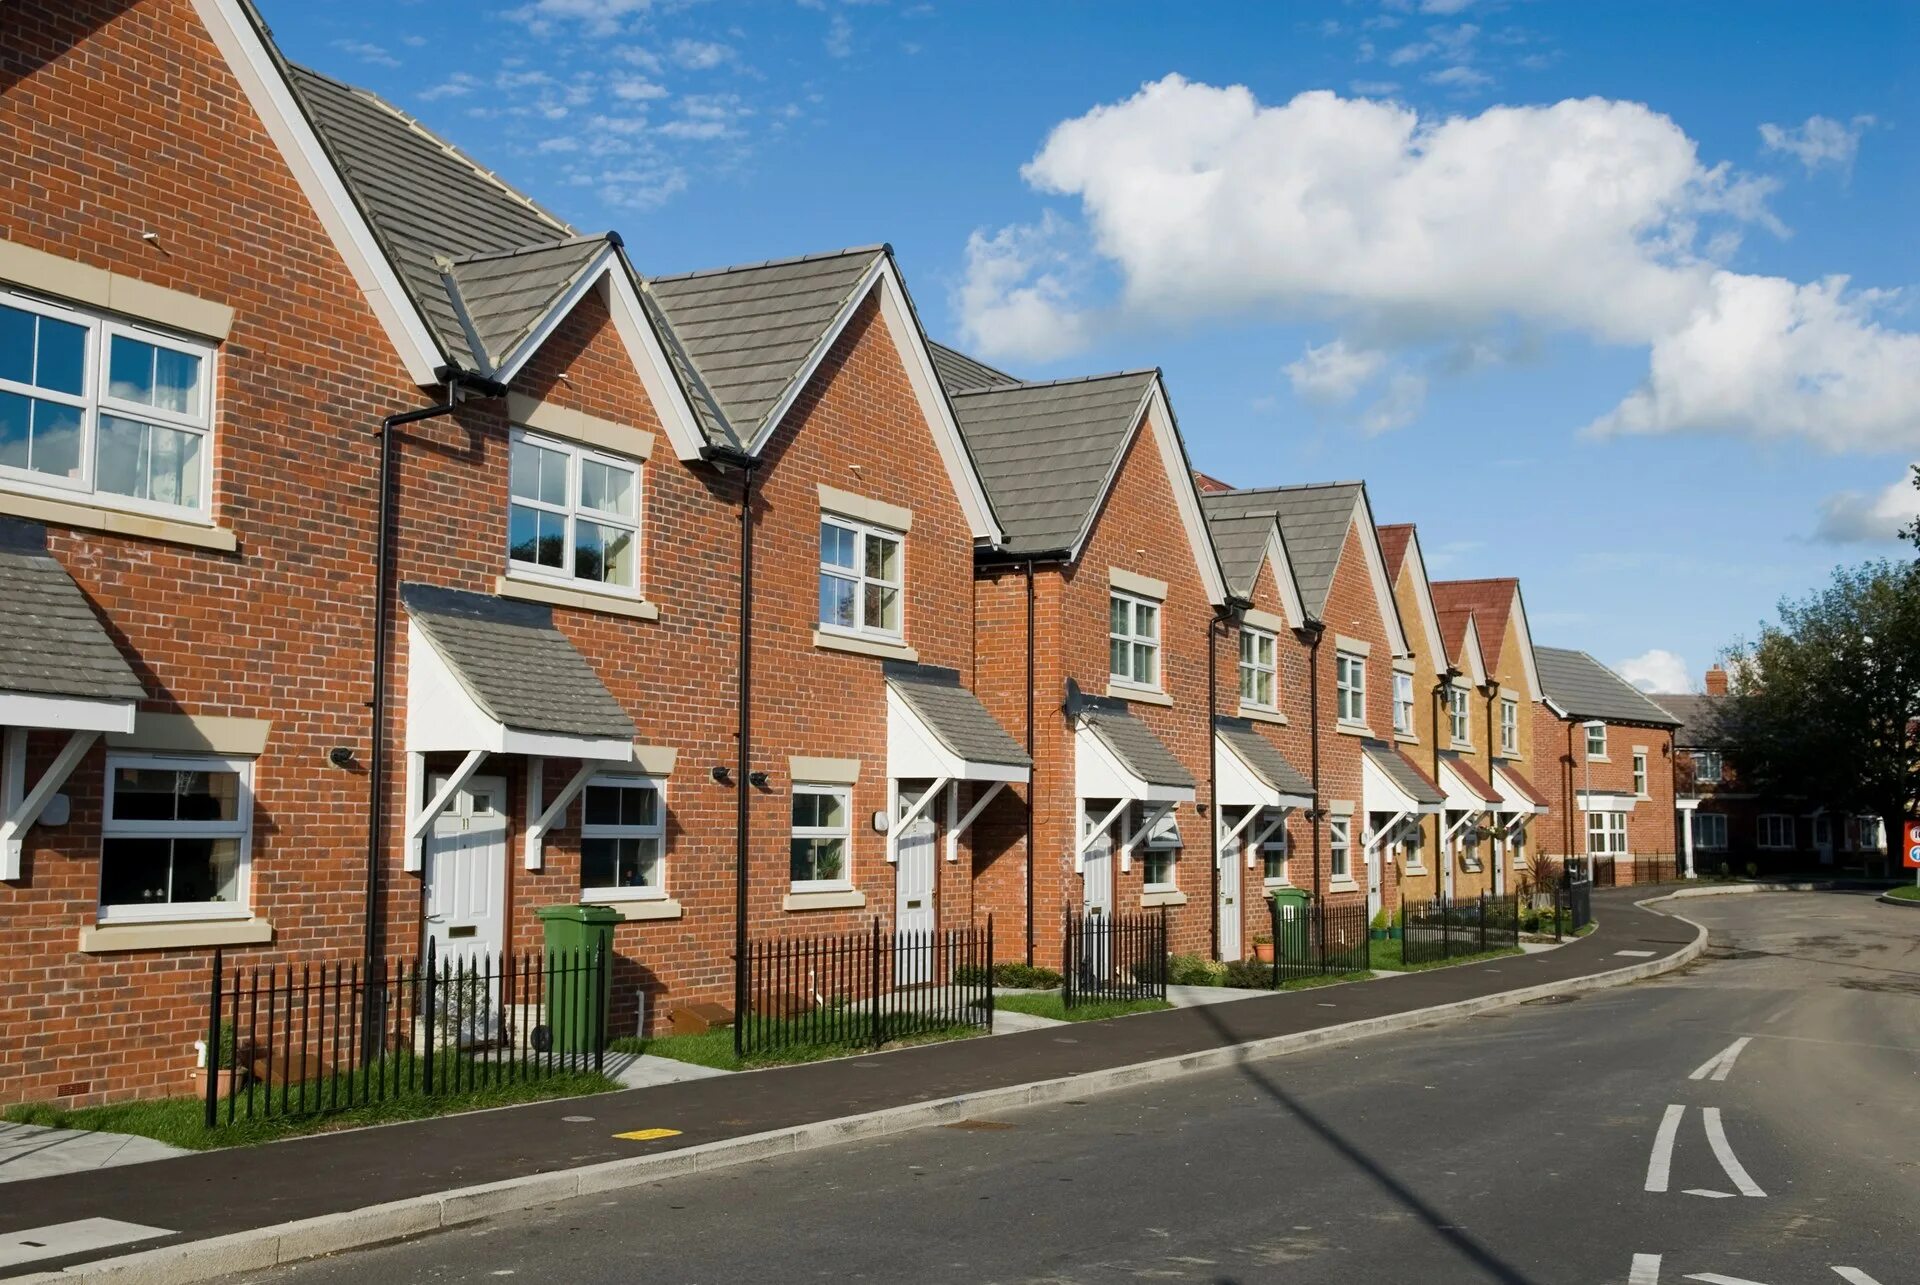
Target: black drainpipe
<point x="726" y="457"/>
<point x="1032" y="766"/>
<point x="1311" y="633"/>
<point x="382" y="625"/>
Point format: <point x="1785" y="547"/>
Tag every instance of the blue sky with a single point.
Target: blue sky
<point x="1560" y="281"/>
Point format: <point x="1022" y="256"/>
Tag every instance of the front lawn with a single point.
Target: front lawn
<point x="1053" y="1004"/>
<point x="1385" y="955"/>
<point x="181" y="1122"/>
<point x="1905" y="892"/>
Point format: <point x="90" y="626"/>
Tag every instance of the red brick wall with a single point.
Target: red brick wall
<point x="1563" y="774"/>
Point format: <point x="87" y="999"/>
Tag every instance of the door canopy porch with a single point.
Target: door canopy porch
<point x="1394" y="784"/>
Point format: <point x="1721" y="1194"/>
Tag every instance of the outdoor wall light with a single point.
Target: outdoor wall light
<point x="341" y="756"/>
<point x="758" y="780"/>
<point x="721" y="774"/>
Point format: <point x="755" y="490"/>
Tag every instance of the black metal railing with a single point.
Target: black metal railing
<point x="865" y="989"/>
<point x="1442" y="929"/>
<point x="1605" y="871"/>
<point x="1656" y="869"/>
<point x="1573" y="904"/>
<point x="1317" y="940"/>
<point x="317" y="1038"/>
<point x="1114" y="957"/>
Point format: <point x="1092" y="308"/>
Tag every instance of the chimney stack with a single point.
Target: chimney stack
<point x="1716" y="681"/>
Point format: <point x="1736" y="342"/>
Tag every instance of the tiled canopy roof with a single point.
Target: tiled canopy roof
<point x="51" y="642"/>
<point x="954" y="714"/>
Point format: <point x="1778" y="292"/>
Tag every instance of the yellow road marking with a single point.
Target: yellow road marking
<point x="648" y="1135"/>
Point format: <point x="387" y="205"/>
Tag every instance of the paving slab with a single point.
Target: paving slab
<point x="29" y="1151"/>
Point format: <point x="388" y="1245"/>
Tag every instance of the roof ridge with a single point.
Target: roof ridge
<point x="1055" y="383"/>
<point x="537" y="247"/>
<point x="876" y="248"/>
<point x="414" y="123"/>
<point x="1481" y="580"/>
<point x="1292" y="486"/>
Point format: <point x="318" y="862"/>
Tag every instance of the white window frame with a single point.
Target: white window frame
<point x="1607" y="830"/>
<point x="845" y="794"/>
<point x="1717" y="842"/>
<point x="1134" y="640"/>
<point x="1600" y="733"/>
<point x="1152" y="843"/>
<point x="1350" y="688"/>
<point x="1869" y="831"/>
<point x="656" y="831"/>
<point x="1403" y="703"/>
<point x="1509" y="725"/>
<point x="1277" y="842"/>
<point x="1773" y="821"/>
<point x="1460" y="717"/>
<point x="573" y="512"/>
<point x="1340" y="849"/>
<point x="1641" y="780"/>
<point x="1255" y="670"/>
<point x="94" y="400"/>
<point x="241" y="828"/>
<point x="1700" y="774"/>
<point x="859" y="579"/>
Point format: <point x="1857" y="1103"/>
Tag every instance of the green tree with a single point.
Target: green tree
<point x="1825" y="704"/>
<point x="1913" y="532"/>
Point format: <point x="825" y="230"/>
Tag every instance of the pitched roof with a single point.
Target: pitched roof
<point x="51" y="642"/>
<point x="1698" y="715"/>
<point x="751" y="331"/>
<point x="1208" y="483"/>
<point x="1132" y="742"/>
<point x="1240" y="542"/>
<point x="1404" y="772"/>
<point x="1394" y="540"/>
<point x="954" y="714"/>
<point x="520" y="669"/>
<point x="1046" y="450"/>
<point x="1453" y="629"/>
<point x="1470" y="777"/>
<point x="1490" y="601"/>
<point x="1313" y="519"/>
<point x="960" y="373"/>
<point x="425" y="200"/>
<point x="1262" y="757"/>
<point x="1512" y="774"/>
<point x="502" y="298"/>
<point x="1584" y="688"/>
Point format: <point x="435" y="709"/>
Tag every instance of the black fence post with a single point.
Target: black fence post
<point x="601" y="1018"/>
<point x="430" y="1007"/>
<point x="1070" y="956"/>
<point x="1273" y="936"/>
<point x="875" y="975"/>
<point x="213" y="1042"/>
<point x="1483" y="923"/>
<point x="989" y="971"/>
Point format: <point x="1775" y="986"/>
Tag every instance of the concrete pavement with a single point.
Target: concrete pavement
<point x="1517" y="1146"/>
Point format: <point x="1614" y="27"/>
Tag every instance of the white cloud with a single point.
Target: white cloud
<point x="457" y="85"/>
<point x="1868" y="517"/>
<point x="1656" y="670"/>
<point x="1588" y="216"/>
<point x="1821" y="141"/>
<point x="1446" y="7"/>
<point x="1459" y="76"/>
<point x="1405" y="397"/>
<point x="1332" y="374"/>
<point x="839" y="41"/>
<point x="701" y="55"/>
<point x="368" y="52"/>
<point x="596" y="17"/>
<point x="636" y="88"/>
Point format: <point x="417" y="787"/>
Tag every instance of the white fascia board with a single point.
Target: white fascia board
<point x="606" y="749"/>
<point x="1362" y="524"/>
<point x="272" y="99"/>
<point x="914" y="752"/>
<point x="1519" y="615"/>
<point x="1186" y="494"/>
<point x="650" y="362"/>
<point x="1240" y="786"/>
<point x="1554" y="707"/>
<point x="66" y="713"/>
<point x="1476" y="658"/>
<point x="441" y="713"/>
<point x="1461" y="797"/>
<point x="1429" y="614"/>
<point x="1511" y="799"/>
<point x="1375" y="783"/>
<point x="522" y="352"/>
<point x="1282" y="565"/>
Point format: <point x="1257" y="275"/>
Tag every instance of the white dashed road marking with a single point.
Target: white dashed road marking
<point x="1660" y="1164"/>
<point x="60" y="1239"/>
<point x="1722" y="1062"/>
<point x="1854" y="1276"/>
<point x="1646" y="1270"/>
<point x="1716" y="1195"/>
<point x="1715" y="1278"/>
<point x="1723" y="1152"/>
<point x="1636" y="954"/>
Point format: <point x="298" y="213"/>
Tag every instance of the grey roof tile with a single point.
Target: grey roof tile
<point x="960" y="373"/>
<point x="1131" y="740"/>
<point x="748" y="331"/>
<point x="1403" y="772"/>
<point x="51" y="642"/>
<point x="505" y="296"/>
<point x="1699" y="718"/>
<point x="1313" y="518"/>
<point x="954" y="714"/>
<point x="1263" y="757"/>
<point x="516" y="665"/>
<point x="1045" y="451"/>
<point x="1585" y="688"/>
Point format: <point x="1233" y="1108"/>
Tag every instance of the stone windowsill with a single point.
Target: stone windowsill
<point x="1342" y="885"/>
<point x="103" y="939"/>
<point x="1255" y="714"/>
<point x="1406" y="738"/>
<point x="99" y="517"/>
<point x="1163" y="897"/>
<point x="1139" y="695"/>
<point x="638" y="908"/>
<point x="842" y="899"/>
<point x="827" y="641"/>
<point x="526" y="590"/>
<point x="1355" y="729"/>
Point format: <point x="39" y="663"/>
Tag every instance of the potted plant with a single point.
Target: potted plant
<point x="1383" y="928"/>
<point x="231" y="1074"/>
<point x="1263" y="949"/>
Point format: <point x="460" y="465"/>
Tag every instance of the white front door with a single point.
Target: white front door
<point x="1096" y="900"/>
<point x="1375" y="855"/>
<point x="913" y="914"/>
<point x="465" y="869"/>
<point x="1499" y="860"/>
<point x="1231" y="853"/>
<point x="1447" y="845"/>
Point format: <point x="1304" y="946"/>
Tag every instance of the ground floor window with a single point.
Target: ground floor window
<point x="822" y="833"/>
<point x="1776" y="831"/>
<point x="1340" y="846"/>
<point x="175" y="838"/>
<point x="1606" y="833"/>
<point x="1158" y="853"/>
<point x="1273" y="852"/>
<point x="623" y="831"/>
<point x="1709" y="830"/>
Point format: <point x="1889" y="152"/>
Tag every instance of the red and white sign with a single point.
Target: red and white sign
<point x="1912" y="846"/>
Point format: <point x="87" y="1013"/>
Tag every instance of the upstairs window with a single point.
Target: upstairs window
<point x="1133" y="640"/>
<point x="574" y="515"/>
<point x="1509" y="725"/>
<point x="1257" y="668"/>
<point x="1640" y="773"/>
<point x="1707" y="767"/>
<point x="93" y="407"/>
<point x="1350" y="687"/>
<point x="861" y="576"/>
<point x="1459" y="723"/>
<point x="1403" y="704"/>
<point x="1597" y="741"/>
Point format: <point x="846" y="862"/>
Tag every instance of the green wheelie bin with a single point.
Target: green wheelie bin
<point x="579" y="960"/>
<point x="1293" y="935"/>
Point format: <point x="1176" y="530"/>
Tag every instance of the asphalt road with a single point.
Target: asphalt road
<point x="1513" y="1147"/>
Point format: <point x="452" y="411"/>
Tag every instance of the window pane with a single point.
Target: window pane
<point x="883" y="608"/>
<point x="883" y="559"/>
<point x="836" y="546"/>
<point x="815" y="859"/>
<point x="130" y="370"/>
<point x="173" y="468"/>
<point x="620" y="863"/>
<point x="206" y="870"/>
<point x="1143" y="671"/>
<point x="606" y="488"/>
<point x="135" y="872"/>
<point x="143" y="794"/>
<point x="1246" y="685"/>
<point x="536" y="536"/>
<point x="1147" y="620"/>
<point x="16" y="345"/>
<point x="832" y="811"/>
<point x="599" y="863"/>
<point x="61" y="363"/>
<point x="1265" y="693"/>
<point x="806" y="809"/>
<point x="1117" y="653"/>
<point x="602" y="805"/>
<point x="603" y="553"/>
<point x="16" y="427"/>
<point x="55" y="446"/>
<point x="176" y="381"/>
<point x="837" y="602"/>
<point x="120" y="457"/>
